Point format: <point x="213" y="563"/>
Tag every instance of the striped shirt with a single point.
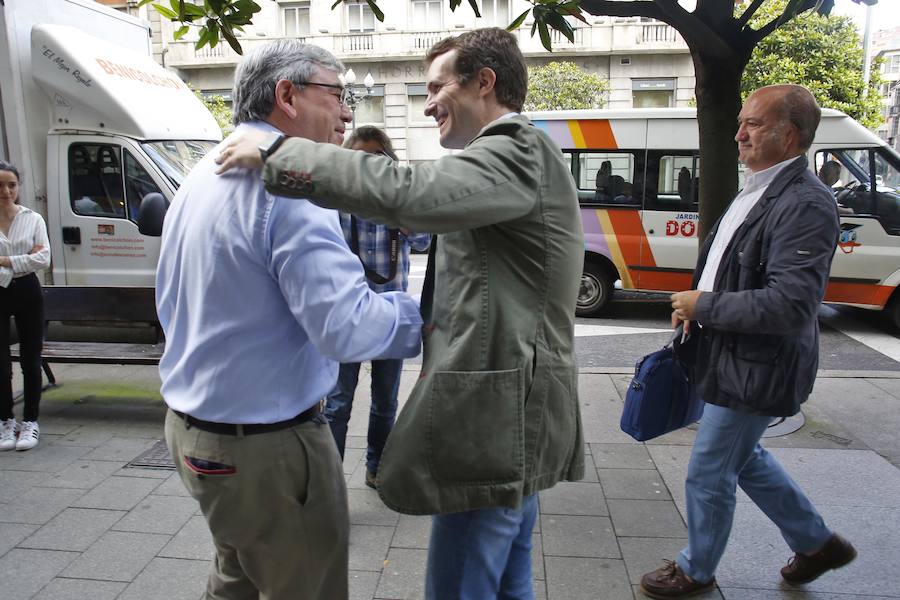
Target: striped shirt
<point x="375" y="251"/>
<point x="26" y="231"/>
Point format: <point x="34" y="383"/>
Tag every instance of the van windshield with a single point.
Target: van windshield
<point x="176" y="158"/>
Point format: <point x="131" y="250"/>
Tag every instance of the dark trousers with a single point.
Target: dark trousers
<point x="24" y="301"/>
<point x="383" y="410"/>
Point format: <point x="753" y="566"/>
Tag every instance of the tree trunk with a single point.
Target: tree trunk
<point x="718" y="92"/>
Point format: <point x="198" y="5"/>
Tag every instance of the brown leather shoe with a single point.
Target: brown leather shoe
<point x="370" y="479"/>
<point x="836" y="553"/>
<point x="671" y="582"/>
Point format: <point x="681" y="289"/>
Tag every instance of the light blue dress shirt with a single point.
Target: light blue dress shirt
<point x="260" y="299"/>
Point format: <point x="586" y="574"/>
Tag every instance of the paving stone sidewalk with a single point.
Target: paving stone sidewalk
<point x="77" y="523"/>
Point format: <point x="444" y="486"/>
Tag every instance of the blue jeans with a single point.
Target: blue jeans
<point x="726" y="454"/>
<point x="482" y="554"/>
<point x="385" y="384"/>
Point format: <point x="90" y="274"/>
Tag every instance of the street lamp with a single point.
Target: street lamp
<point x="355" y="94"/>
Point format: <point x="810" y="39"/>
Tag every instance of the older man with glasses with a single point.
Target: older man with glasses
<point x="260" y="299"/>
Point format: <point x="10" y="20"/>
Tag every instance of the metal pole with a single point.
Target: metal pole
<point x="867" y="41"/>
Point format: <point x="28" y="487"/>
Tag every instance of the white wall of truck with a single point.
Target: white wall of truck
<point x="79" y="77"/>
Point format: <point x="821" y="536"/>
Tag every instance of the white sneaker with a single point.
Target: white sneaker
<point x="8" y="430"/>
<point x="28" y="435"/>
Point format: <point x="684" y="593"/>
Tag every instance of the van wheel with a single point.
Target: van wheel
<point x="892" y="312"/>
<point x="596" y="290"/>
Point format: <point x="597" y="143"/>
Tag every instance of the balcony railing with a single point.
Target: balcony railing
<point x="422" y="42"/>
<point x="607" y="37"/>
<point x="559" y="40"/>
<point x="357" y="42"/>
<point x="654" y="33"/>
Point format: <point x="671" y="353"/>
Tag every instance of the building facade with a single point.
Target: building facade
<point x="886" y="44"/>
<point x="646" y="62"/>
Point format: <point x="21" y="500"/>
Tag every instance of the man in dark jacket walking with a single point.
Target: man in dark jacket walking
<point x="760" y="278"/>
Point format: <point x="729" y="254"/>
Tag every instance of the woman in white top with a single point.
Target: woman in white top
<point x="24" y="250"/>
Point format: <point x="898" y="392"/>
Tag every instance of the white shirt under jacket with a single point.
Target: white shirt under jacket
<point x="754" y="188"/>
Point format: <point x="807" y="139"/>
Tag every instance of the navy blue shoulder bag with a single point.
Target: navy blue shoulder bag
<point x="660" y="397"/>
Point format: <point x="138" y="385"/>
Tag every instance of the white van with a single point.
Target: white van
<point x="98" y="130"/>
<point x="637" y="173"/>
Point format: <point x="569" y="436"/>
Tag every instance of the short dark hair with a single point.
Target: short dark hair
<point x="800" y="109"/>
<point x="370" y="133"/>
<point x="5" y="166"/>
<point x="496" y="49"/>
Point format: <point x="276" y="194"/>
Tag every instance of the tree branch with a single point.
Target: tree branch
<point x="775" y="23"/>
<point x="633" y="8"/>
<point x="748" y="14"/>
<point x="698" y="34"/>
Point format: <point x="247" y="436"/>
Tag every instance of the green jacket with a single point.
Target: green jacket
<point x="494" y="415"/>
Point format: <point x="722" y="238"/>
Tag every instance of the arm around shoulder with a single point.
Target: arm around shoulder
<point x="493" y="180"/>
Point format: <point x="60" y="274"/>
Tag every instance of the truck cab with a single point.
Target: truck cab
<point x="97" y="128"/>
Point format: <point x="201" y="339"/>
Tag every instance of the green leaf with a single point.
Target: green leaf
<point x="203" y="39"/>
<point x="375" y="10"/>
<point x="165" y="11"/>
<point x="144" y="3"/>
<point x="192" y="10"/>
<point x="213" y="27"/>
<point x="518" y="22"/>
<point x="232" y="41"/>
<point x="474" y="5"/>
<point x="336" y="2"/>
<point x="454" y="4"/>
<point x="575" y="12"/>
<point x="545" y="35"/>
<point x="180" y="32"/>
<point x="559" y="23"/>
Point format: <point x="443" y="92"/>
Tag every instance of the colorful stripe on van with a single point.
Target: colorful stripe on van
<point x="574" y="134"/>
<point x="619" y="235"/>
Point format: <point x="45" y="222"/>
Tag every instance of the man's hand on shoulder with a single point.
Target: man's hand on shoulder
<point x="242" y="151"/>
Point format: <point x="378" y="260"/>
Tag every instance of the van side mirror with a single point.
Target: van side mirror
<point x="151" y="214"/>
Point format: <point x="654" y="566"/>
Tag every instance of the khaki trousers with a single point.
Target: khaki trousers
<point x="276" y="505"/>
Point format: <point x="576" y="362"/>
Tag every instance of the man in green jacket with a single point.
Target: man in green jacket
<point x="494" y="417"/>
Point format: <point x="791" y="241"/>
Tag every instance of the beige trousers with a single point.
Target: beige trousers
<point x="276" y="505"/>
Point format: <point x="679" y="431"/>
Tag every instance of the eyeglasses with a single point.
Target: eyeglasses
<point x="345" y="91"/>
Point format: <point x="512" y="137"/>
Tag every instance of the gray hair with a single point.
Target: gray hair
<point x="799" y="108"/>
<point x="256" y="75"/>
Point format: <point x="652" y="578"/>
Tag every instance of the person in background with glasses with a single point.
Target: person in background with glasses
<point x="384" y="254"/>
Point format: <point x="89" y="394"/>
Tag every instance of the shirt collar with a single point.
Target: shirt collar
<point x="761" y="179"/>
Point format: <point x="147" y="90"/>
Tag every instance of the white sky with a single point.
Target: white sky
<point x="885" y="14"/>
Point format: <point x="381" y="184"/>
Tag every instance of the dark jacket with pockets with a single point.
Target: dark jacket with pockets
<point x="759" y="347"/>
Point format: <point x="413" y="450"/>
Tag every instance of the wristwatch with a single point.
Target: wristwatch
<point x="270" y="144"/>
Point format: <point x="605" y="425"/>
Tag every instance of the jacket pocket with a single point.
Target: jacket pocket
<point x="475" y="426"/>
<point x="750" y="370"/>
<point x="752" y="266"/>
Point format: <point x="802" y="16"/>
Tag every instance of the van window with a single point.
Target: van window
<point x="677" y="181"/>
<point x="865" y="181"/>
<point x="608" y="177"/>
<point x="138" y="184"/>
<point x="95" y="180"/>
